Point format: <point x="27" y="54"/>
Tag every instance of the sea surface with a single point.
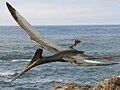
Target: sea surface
<point x="16" y="49"/>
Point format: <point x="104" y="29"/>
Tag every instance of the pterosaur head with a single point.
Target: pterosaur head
<point x="38" y="53"/>
<point x="36" y="60"/>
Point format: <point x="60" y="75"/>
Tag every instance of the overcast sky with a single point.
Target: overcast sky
<point x="63" y="12"/>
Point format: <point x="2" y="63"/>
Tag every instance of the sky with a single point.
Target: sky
<point x="63" y="12"/>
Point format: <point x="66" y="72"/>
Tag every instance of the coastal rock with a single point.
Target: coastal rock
<point x="112" y="83"/>
<point x="72" y="86"/>
<point x="109" y="84"/>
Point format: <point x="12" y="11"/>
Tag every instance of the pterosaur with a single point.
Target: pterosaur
<point x="59" y="54"/>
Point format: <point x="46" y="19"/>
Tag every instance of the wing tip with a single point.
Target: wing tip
<point x="9" y="6"/>
<point x="12" y="11"/>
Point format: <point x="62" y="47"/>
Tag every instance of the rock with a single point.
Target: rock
<point x="72" y="86"/>
<point x="108" y="84"/>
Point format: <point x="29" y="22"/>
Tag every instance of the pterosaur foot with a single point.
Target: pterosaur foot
<point x="76" y="42"/>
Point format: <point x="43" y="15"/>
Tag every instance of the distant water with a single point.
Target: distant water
<point x="16" y="49"/>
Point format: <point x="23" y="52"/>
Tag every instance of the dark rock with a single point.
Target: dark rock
<point x="108" y="84"/>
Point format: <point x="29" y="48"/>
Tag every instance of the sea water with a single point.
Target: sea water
<point x="16" y="49"/>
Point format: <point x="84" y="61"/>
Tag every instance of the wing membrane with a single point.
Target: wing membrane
<point x="31" y="31"/>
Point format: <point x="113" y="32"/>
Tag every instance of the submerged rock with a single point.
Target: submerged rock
<point x="108" y="84"/>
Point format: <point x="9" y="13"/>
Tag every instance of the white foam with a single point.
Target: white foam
<point x="119" y="76"/>
<point x="6" y="72"/>
<point x="16" y="60"/>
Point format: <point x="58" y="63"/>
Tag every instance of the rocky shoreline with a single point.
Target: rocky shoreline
<point x="112" y="83"/>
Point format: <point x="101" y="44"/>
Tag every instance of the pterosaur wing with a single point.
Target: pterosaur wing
<point x="31" y="31"/>
<point x="39" y="39"/>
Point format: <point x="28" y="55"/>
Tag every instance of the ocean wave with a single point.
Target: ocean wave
<point x="6" y="72"/>
<point x="16" y="60"/>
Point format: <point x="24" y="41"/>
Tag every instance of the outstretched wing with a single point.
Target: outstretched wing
<point x="33" y="34"/>
<point x="31" y="31"/>
<point x="40" y="40"/>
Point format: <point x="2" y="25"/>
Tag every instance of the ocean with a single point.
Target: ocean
<point x="16" y="49"/>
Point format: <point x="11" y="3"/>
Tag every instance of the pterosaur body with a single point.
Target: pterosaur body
<point x="64" y="55"/>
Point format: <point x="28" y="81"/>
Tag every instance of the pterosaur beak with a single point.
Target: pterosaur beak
<point x="27" y="68"/>
<point x="34" y="62"/>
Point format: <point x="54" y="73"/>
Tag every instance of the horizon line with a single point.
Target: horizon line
<point x="69" y="25"/>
